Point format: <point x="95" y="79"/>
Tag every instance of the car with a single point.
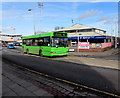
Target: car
<point x="16" y="43"/>
<point x="11" y="46"/>
<point x="4" y="45"/>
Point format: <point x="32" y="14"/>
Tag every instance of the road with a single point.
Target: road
<point x="99" y="78"/>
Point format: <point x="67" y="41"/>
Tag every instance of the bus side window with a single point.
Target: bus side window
<point x="24" y="41"/>
<point x="40" y="42"/>
<point x="35" y="42"/>
<point x="46" y="41"/>
<point x="29" y="42"/>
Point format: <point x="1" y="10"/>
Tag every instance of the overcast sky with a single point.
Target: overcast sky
<point x="95" y="13"/>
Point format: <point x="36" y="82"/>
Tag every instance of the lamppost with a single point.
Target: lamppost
<point x="40" y="5"/>
<point x="33" y="20"/>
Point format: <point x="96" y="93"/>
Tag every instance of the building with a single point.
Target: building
<point x="84" y="38"/>
<point x="8" y="38"/>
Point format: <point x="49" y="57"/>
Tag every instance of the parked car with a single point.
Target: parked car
<point x="20" y="43"/>
<point x="17" y="44"/>
<point x="11" y="46"/>
<point x="4" y="45"/>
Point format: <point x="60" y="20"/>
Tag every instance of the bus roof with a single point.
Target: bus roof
<point x="41" y="35"/>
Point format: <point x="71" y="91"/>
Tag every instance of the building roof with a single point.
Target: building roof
<point x="81" y="27"/>
<point x="86" y="34"/>
<point x="78" y="27"/>
<point x="9" y="34"/>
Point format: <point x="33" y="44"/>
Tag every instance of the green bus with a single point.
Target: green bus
<point x="46" y="44"/>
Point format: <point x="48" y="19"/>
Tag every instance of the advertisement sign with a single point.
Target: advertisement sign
<point x="95" y="46"/>
<point x="83" y="45"/>
<point x="105" y="45"/>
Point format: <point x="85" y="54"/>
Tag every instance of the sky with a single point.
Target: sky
<point x="16" y="19"/>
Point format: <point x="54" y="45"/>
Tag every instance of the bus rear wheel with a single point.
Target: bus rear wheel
<point x="27" y="51"/>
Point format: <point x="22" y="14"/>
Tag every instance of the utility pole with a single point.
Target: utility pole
<point x="40" y="5"/>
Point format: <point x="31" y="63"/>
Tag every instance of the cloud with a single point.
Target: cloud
<point x="112" y="22"/>
<point x="88" y="14"/>
<point x="7" y="28"/>
<point x="105" y="18"/>
<point x="111" y="19"/>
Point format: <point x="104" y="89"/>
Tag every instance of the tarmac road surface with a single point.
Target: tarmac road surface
<point x="99" y="78"/>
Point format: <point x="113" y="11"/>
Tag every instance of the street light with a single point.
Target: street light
<point x="40" y="5"/>
<point x="33" y="20"/>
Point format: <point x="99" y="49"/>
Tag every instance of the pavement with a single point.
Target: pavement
<point x="104" y="53"/>
<point x="13" y="85"/>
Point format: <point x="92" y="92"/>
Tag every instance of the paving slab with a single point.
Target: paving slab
<point x="40" y="92"/>
<point x="10" y="94"/>
<point x="33" y="88"/>
<point x="13" y="85"/>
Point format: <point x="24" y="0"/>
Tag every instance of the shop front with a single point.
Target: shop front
<point x="90" y="43"/>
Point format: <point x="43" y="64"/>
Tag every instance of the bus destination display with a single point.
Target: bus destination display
<point x="60" y="34"/>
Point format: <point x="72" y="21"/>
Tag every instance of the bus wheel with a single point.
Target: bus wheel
<point x="40" y="53"/>
<point x="27" y="52"/>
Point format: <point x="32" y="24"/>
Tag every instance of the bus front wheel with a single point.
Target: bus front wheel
<point x="40" y="53"/>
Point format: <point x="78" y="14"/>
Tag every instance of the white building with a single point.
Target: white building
<point x="9" y="37"/>
<point x="92" y="38"/>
